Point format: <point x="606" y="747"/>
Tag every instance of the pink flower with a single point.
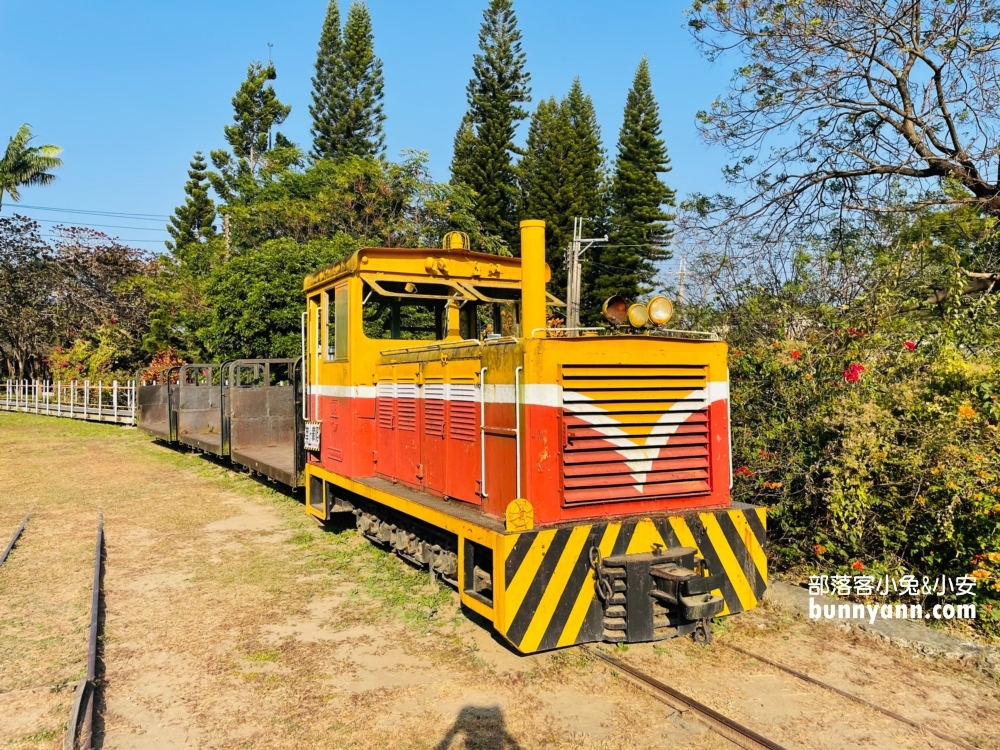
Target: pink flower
<point x="853" y="372"/>
<point x="910" y="345"/>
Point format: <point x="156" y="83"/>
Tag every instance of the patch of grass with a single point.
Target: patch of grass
<point x="45" y="735"/>
<point x="572" y="658"/>
<point x="263" y="656"/>
<point x="621" y="648"/>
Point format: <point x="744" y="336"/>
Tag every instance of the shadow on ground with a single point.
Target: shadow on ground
<point x="480" y="727"/>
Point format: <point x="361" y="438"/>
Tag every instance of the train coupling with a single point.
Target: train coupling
<point x="657" y="595"/>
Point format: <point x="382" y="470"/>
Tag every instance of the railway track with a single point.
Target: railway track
<point x="80" y="730"/>
<point x="737" y="733"/>
<point x="13" y="539"/>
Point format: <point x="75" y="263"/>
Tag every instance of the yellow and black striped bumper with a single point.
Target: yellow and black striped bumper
<point x="544" y="588"/>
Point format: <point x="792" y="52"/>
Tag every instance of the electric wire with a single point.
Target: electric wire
<point x="103" y="226"/>
<point x="118" y="214"/>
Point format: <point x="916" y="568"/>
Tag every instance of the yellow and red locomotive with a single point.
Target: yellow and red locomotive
<point x="573" y="487"/>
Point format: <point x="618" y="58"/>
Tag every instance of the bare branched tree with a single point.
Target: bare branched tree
<point x="846" y="107"/>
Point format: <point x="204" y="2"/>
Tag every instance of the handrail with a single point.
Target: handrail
<point x="305" y="375"/>
<point x="517" y="425"/>
<point x="433" y="347"/>
<point x="482" y="430"/>
<point x="663" y="332"/>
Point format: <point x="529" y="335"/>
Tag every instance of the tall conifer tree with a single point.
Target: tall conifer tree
<point x="328" y="92"/>
<point x="639" y="230"/>
<point x="498" y="87"/>
<point x="358" y="130"/>
<point x="193" y="221"/>
<point x="256" y="111"/>
<point x="562" y="174"/>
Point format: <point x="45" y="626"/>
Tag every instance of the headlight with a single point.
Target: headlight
<point x="660" y="310"/>
<point x="615" y="310"/>
<point x="638" y="315"/>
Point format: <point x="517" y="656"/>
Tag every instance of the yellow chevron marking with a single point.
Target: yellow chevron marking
<point x="517" y="588"/>
<point x="554" y="588"/>
<point x="686" y="538"/>
<point x="644" y="537"/>
<point x="581" y="606"/>
<point x="734" y="572"/>
<point x="747" y="535"/>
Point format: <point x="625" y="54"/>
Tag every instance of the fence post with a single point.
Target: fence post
<point x="86" y="396"/>
<point x="59" y="398"/>
<point x="72" y="396"/>
<point x="114" y="397"/>
<point x="100" y="400"/>
<point x="132" y="398"/>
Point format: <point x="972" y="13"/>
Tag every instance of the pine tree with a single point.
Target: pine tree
<point x="193" y="221"/>
<point x="562" y="174"/>
<point x="464" y="147"/>
<point x="639" y="230"/>
<point x="257" y="110"/>
<point x="358" y="130"/>
<point x="328" y="93"/>
<point x="498" y="87"/>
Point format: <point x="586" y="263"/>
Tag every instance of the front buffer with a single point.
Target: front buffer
<point x="629" y="581"/>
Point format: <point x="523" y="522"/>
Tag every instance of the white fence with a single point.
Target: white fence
<point x="78" y="399"/>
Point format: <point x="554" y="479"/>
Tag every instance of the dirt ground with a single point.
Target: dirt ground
<point x="233" y="621"/>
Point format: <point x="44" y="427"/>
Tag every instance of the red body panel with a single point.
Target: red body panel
<point x="416" y="436"/>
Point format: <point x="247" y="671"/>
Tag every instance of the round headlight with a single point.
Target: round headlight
<point x="660" y="310"/>
<point x="615" y="310"/>
<point x="638" y="315"/>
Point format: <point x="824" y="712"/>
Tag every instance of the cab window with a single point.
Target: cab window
<point x="335" y="323"/>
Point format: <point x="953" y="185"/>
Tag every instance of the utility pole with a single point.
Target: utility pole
<point x="680" y="283"/>
<point x="573" y="272"/>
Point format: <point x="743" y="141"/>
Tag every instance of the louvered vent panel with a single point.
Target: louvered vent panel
<point x="463" y="404"/>
<point x="384" y="393"/>
<point x="406" y="406"/>
<point x="635" y="432"/>
<point x="434" y="395"/>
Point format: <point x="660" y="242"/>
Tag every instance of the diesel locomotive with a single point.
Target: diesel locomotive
<point x="572" y="485"/>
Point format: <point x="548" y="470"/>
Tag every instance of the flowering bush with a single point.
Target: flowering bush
<point x="98" y="357"/>
<point x="893" y="472"/>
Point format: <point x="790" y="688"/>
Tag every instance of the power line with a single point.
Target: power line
<point x="105" y="226"/>
<point x="115" y="239"/>
<point x="116" y="214"/>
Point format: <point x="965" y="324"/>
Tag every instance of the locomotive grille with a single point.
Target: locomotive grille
<point x="434" y="401"/>
<point x="634" y="432"/>
<point x="463" y="412"/>
<point x="406" y="406"/>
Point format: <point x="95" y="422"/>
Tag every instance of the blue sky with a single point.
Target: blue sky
<point x="131" y="90"/>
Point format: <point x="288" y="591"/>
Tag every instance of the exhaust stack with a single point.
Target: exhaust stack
<point x="532" y="276"/>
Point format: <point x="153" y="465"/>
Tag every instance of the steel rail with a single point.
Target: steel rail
<point x="17" y="535"/>
<point x="80" y="730"/>
<point x="732" y="730"/>
<point x="843" y="693"/>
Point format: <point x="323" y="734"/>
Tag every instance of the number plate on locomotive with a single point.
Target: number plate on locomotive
<point x="311" y="436"/>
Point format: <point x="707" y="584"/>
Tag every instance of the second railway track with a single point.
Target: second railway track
<point x="737" y="733"/>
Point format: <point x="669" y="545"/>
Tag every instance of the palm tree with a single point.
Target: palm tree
<point x="24" y="165"/>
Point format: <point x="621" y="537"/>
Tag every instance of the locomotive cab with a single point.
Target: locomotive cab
<point x="546" y="475"/>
